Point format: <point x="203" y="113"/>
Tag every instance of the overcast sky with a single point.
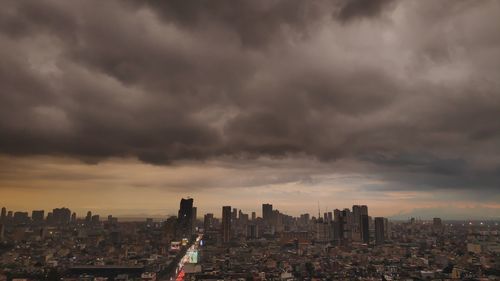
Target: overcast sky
<point x="124" y="107"/>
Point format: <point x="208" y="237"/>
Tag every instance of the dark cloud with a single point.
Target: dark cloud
<point x="163" y="81"/>
<point x="255" y="23"/>
<point x="352" y="9"/>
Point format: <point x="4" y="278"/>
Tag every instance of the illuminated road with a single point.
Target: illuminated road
<point x="179" y="272"/>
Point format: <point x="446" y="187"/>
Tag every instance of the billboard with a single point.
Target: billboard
<point x="192" y="256"/>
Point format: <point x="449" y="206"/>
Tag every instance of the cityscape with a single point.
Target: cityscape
<point x="250" y="140"/>
<point x="340" y="244"/>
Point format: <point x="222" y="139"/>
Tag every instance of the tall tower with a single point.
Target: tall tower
<point x="208" y="221"/>
<point x="365" y="229"/>
<point x="226" y="224"/>
<point x="2" y="231"/>
<point x="356" y="223"/>
<point x="38" y="216"/>
<point x="88" y="218"/>
<point x="194" y="215"/>
<point x="185" y="218"/>
<point x="4" y="214"/>
<point x="267" y="213"/>
<point x="365" y="225"/>
<point x="379" y="230"/>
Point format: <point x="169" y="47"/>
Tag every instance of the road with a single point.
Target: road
<point x="178" y="275"/>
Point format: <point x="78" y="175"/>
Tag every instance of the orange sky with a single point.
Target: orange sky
<point x="126" y="187"/>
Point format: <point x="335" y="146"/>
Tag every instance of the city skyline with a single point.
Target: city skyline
<point x="42" y="214"/>
<point x="125" y="108"/>
<point x="344" y="243"/>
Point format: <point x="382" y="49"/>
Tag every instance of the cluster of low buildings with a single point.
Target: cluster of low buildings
<point x="349" y="245"/>
<point x="88" y="247"/>
<point x="343" y="244"/>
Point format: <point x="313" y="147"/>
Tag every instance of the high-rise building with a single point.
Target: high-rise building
<point x="170" y="226"/>
<point x="339" y="225"/>
<point x="437" y="222"/>
<point x="95" y="220"/>
<point x="3" y="216"/>
<point x="356" y="223"/>
<point x="50" y="218"/>
<point x="61" y="215"/>
<point x="322" y="231"/>
<point x="208" y="221"/>
<point x="336" y="214"/>
<point x="21" y="218"/>
<point x="365" y="229"/>
<point x="234" y="216"/>
<point x="379" y="231"/>
<point x="194" y="218"/>
<point x="185" y="219"/>
<point x="252" y="231"/>
<point x="267" y="213"/>
<point x="226" y="224"/>
<point x="304" y="221"/>
<point x="387" y="228"/>
<point x="330" y="217"/>
<point x="254" y="216"/>
<point x="242" y="222"/>
<point x="73" y="218"/>
<point x="38" y="216"/>
<point x="364" y="210"/>
<point x="2" y="231"/>
<point x="347" y="223"/>
<point x="88" y="218"/>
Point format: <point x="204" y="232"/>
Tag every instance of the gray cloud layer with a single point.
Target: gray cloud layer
<point x="410" y="88"/>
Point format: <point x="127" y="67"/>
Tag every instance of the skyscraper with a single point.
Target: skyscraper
<point x="252" y="231"/>
<point x="49" y="219"/>
<point x="4" y="214"/>
<point x="226" y="224"/>
<point x="194" y="216"/>
<point x="338" y="226"/>
<point x="88" y="218"/>
<point x="208" y="221"/>
<point x="38" y="216"/>
<point x="347" y="223"/>
<point x="267" y="212"/>
<point x="379" y="230"/>
<point x="356" y="223"/>
<point x="2" y="231"/>
<point x="234" y="216"/>
<point x="95" y="220"/>
<point x="185" y="218"/>
<point x="365" y="230"/>
<point x="61" y="215"/>
<point x="21" y="218"/>
<point x="170" y="227"/>
<point x="365" y="225"/>
<point x="322" y="231"/>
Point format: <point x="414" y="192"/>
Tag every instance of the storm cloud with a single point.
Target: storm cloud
<point x="407" y="89"/>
